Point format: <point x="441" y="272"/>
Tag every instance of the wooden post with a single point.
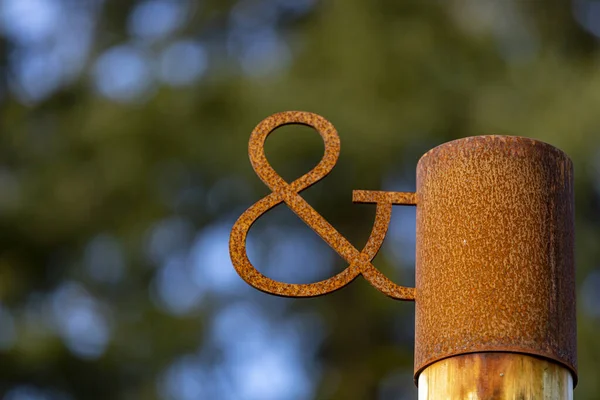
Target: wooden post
<point x="483" y="376"/>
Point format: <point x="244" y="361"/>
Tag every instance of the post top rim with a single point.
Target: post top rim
<point x="490" y="142"/>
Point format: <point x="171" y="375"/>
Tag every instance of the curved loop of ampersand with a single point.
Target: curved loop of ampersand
<point x="360" y="262"/>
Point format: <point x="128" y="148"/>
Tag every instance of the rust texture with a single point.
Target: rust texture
<point x="495" y="376"/>
<point x="495" y="241"/>
<point x="495" y="268"/>
<point x="288" y="193"/>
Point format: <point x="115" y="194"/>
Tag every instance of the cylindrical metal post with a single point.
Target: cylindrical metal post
<point x="495" y="271"/>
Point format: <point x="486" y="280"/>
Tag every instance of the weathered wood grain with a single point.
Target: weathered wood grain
<point x="495" y="376"/>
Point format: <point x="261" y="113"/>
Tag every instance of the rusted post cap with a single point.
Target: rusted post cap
<point x="495" y="263"/>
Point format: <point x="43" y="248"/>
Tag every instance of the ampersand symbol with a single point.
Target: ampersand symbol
<point x="288" y="193"/>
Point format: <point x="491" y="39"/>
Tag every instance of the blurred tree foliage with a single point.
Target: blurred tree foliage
<point x="123" y="168"/>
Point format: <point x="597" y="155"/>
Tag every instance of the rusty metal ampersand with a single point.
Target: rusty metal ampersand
<point x="288" y="193"/>
<point x="494" y="246"/>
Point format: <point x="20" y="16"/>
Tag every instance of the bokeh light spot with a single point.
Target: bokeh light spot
<point x="28" y="21"/>
<point x="154" y="19"/>
<point x="81" y="321"/>
<point x="174" y="289"/>
<point x="124" y="73"/>
<point x="182" y="62"/>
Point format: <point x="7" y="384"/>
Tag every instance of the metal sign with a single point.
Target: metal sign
<point x="494" y="251"/>
<point x="288" y="193"/>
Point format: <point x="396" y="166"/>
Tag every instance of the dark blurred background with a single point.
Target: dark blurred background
<point x="123" y="165"/>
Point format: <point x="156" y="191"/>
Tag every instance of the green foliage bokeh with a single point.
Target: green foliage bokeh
<point x="395" y="77"/>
